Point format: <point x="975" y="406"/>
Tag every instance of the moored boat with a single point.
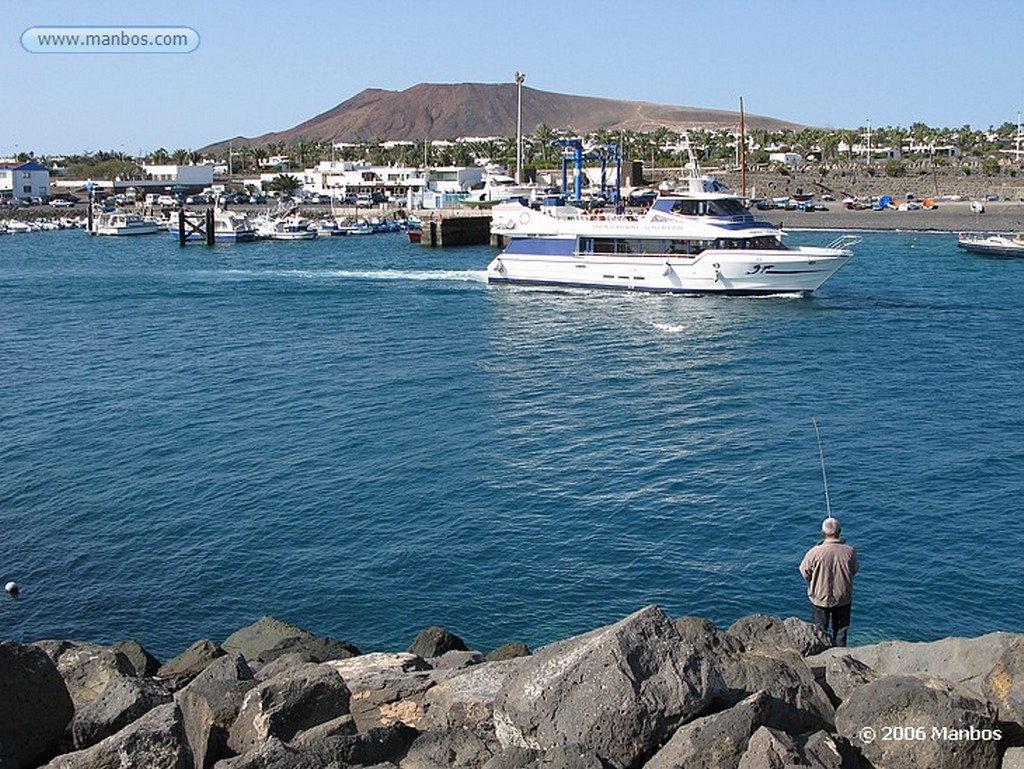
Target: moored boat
<point x="228" y="227"/>
<point x="703" y="240"/>
<point x="992" y="243"/>
<point x="122" y="223"/>
<point x="292" y="227"/>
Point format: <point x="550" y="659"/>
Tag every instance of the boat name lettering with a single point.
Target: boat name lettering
<point x="760" y="269"/>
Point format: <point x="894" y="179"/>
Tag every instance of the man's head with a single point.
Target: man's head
<point x="830" y="527"/>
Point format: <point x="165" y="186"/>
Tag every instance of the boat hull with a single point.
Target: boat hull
<point x="795" y="271"/>
<point x="125" y="231"/>
<point x="1001" y="247"/>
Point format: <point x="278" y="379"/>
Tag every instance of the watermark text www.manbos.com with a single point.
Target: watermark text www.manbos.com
<point x="869" y="734"/>
<point x="110" y="40"/>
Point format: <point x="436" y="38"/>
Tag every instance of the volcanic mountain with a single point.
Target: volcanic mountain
<point x="436" y="111"/>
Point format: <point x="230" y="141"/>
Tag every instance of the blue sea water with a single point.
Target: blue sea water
<point x="361" y="437"/>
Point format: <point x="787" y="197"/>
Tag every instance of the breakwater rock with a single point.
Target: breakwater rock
<point x="647" y="692"/>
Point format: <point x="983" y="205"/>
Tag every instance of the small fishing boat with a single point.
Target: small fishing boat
<point x="120" y="223"/>
<point x="992" y="243"/>
<point x="228" y="227"/>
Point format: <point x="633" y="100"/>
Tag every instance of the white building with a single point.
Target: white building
<point x="24" y="180"/>
<point x="414" y="185"/>
<point x="788" y="158"/>
<point x="175" y="175"/>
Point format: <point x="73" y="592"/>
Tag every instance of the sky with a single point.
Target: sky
<point x="263" y="65"/>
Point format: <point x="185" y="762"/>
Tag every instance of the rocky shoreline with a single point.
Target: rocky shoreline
<point x="647" y="692"/>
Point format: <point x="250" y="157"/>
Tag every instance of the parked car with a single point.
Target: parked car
<point x="61" y="203"/>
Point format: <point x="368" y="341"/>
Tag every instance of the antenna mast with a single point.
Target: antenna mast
<point x="743" y="153"/>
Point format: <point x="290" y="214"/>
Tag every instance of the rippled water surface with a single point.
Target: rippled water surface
<point x="361" y="437"/>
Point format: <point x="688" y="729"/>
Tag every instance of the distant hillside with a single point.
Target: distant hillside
<point x="432" y="111"/>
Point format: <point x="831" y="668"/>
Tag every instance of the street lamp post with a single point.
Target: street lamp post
<point x="520" y="77"/>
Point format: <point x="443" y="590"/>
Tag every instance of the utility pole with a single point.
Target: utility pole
<point x="520" y="77"/>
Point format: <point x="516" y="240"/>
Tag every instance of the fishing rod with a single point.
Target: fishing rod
<point x="824" y="476"/>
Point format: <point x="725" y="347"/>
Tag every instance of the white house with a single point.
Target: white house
<point x="788" y="158"/>
<point x="172" y="175"/>
<point x="24" y="180"/>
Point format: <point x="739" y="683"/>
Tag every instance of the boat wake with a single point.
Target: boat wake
<point x="466" y="276"/>
<point x="448" y="276"/>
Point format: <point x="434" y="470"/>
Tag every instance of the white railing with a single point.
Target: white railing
<point x="845" y="241"/>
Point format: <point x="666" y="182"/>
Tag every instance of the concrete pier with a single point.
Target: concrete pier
<point x="456" y="231"/>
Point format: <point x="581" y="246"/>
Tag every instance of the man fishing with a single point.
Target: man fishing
<point x="829" y="567"/>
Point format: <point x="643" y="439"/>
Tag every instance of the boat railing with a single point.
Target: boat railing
<point x="845" y="241"/>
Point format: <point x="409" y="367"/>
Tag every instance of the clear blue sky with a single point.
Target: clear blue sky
<point x="267" y="65"/>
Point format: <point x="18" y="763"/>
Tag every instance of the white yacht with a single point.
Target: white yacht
<point x="123" y="223"/>
<point x="703" y="240"/>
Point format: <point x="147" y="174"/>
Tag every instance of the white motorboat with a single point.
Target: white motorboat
<point x="15" y="226"/>
<point x="291" y="227"/>
<point x="992" y="244"/>
<point x="123" y="223"/>
<point x="703" y="240"/>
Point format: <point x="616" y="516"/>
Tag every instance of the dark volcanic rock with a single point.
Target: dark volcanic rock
<point x="770" y="749"/>
<point x="87" y="669"/>
<point x="269" y="638"/>
<point x="620" y="691"/>
<point x="298" y="699"/>
<point x="386" y="687"/>
<point x="435" y="641"/>
<point x="1004" y="685"/>
<point x="509" y="651"/>
<point x="210" y="704"/>
<point x="798" y="701"/>
<point x="35" y="706"/>
<point x="965" y="725"/>
<point x="962" y="661"/>
<point x="716" y="741"/>
<point x="764" y="633"/>
<point x="843" y="674"/>
<point x="155" y="741"/>
<point x="707" y="638"/>
<point x="124" y="700"/>
<point x="465" y="701"/>
<point x="378" y="745"/>
<point x="192" y="661"/>
<point x="448" y="749"/>
<point x="142" y="662"/>
<point x="561" y="757"/>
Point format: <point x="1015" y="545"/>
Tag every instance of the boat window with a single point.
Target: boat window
<point x="726" y="207"/>
<point x="689" y="207"/>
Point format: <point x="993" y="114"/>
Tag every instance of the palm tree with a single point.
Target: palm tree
<point x="543" y="136"/>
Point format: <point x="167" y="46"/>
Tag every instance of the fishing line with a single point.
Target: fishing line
<point x="821" y="456"/>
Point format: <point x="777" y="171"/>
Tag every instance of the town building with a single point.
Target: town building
<point x="24" y="180"/>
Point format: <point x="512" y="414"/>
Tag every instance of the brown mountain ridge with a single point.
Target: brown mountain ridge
<point x="444" y="111"/>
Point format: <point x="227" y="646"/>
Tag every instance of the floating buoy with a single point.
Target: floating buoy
<point x="11" y="588"/>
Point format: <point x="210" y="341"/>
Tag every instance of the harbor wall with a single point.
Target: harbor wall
<point x="646" y="692"/>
